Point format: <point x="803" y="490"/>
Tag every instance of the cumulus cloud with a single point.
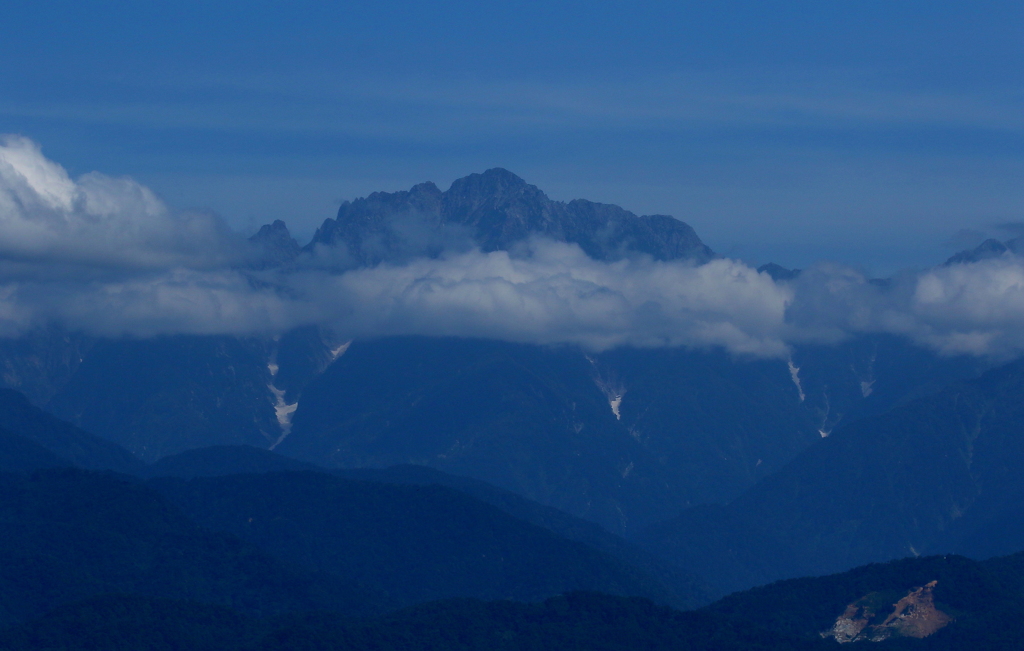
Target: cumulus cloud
<point x="974" y="308"/>
<point x="51" y="223"/>
<point x="106" y="256"/>
<point x="554" y="293"/>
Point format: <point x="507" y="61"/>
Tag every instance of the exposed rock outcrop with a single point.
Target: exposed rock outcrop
<point x="915" y="615"/>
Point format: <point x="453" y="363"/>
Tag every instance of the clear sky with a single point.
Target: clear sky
<point x="887" y="134"/>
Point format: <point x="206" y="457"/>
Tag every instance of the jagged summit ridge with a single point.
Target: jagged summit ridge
<point x="274" y="245"/>
<point x="497" y="210"/>
<point x="989" y="249"/>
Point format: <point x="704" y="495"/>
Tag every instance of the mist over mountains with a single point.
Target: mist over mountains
<point x="482" y="393"/>
<point x="491" y="257"/>
<point x="604" y="363"/>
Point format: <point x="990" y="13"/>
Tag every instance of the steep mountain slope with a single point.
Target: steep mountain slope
<point x="63" y="440"/>
<point x="497" y="210"/>
<point x="686" y="590"/>
<point x="41" y="361"/>
<point x="525" y="418"/>
<point x="273" y="246"/>
<point x="167" y="394"/>
<point x="869" y="375"/>
<point x="925" y="477"/>
<point x="299" y="356"/>
<point x="623" y="438"/>
<point x="220" y="460"/>
<point x="416" y="543"/>
<point x="71" y="534"/>
<point x="689" y="590"/>
<point x="20" y="454"/>
<point x="711" y="424"/>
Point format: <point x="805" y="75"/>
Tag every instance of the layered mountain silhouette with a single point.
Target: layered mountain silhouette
<point x="946" y="602"/>
<point x="262" y="492"/>
<point x="412" y="543"/>
<point x="163" y="395"/>
<point x="932" y="604"/>
<point x="578" y="620"/>
<point x="378" y="539"/>
<point x="624" y="438"/>
<point x="628" y="438"/>
<point x="937" y="474"/>
<point x="220" y="461"/>
<point x="71" y="534"/>
<point x="31" y="438"/>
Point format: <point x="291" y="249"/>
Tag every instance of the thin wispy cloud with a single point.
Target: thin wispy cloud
<point x="370" y="107"/>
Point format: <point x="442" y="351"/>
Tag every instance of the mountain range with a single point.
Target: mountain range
<point x="938" y="474"/>
<point x="251" y="484"/>
<point x="239" y="556"/>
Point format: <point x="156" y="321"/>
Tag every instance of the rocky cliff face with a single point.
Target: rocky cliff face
<point x="496" y="211"/>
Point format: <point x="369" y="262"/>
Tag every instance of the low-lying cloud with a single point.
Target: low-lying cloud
<point x="106" y="256"/>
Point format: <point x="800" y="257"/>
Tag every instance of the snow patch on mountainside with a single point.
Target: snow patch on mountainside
<point x="867" y="381"/>
<point x="614" y="393"/>
<point x="284" y="413"/>
<point x="866" y="387"/>
<point x="612" y="389"/>
<point x="794" y="373"/>
<point x="614" y="404"/>
<point x="825" y="429"/>
<point x="340" y="350"/>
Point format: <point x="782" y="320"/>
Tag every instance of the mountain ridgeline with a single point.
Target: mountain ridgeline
<point x="937" y="474"/>
<point x="497" y="211"/>
<point x="381" y="539"/>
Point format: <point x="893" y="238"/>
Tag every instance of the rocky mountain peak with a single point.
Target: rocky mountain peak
<point x="778" y="272"/>
<point x="495" y="210"/>
<point x="274" y="245"/>
<point x="990" y="248"/>
<point x="275" y="231"/>
<point x="495" y="187"/>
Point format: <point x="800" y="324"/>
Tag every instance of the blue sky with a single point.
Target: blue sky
<point x="881" y="133"/>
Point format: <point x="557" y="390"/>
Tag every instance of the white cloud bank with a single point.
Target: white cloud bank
<point x="95" y="223"/>
<point x="104" y="255"/>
